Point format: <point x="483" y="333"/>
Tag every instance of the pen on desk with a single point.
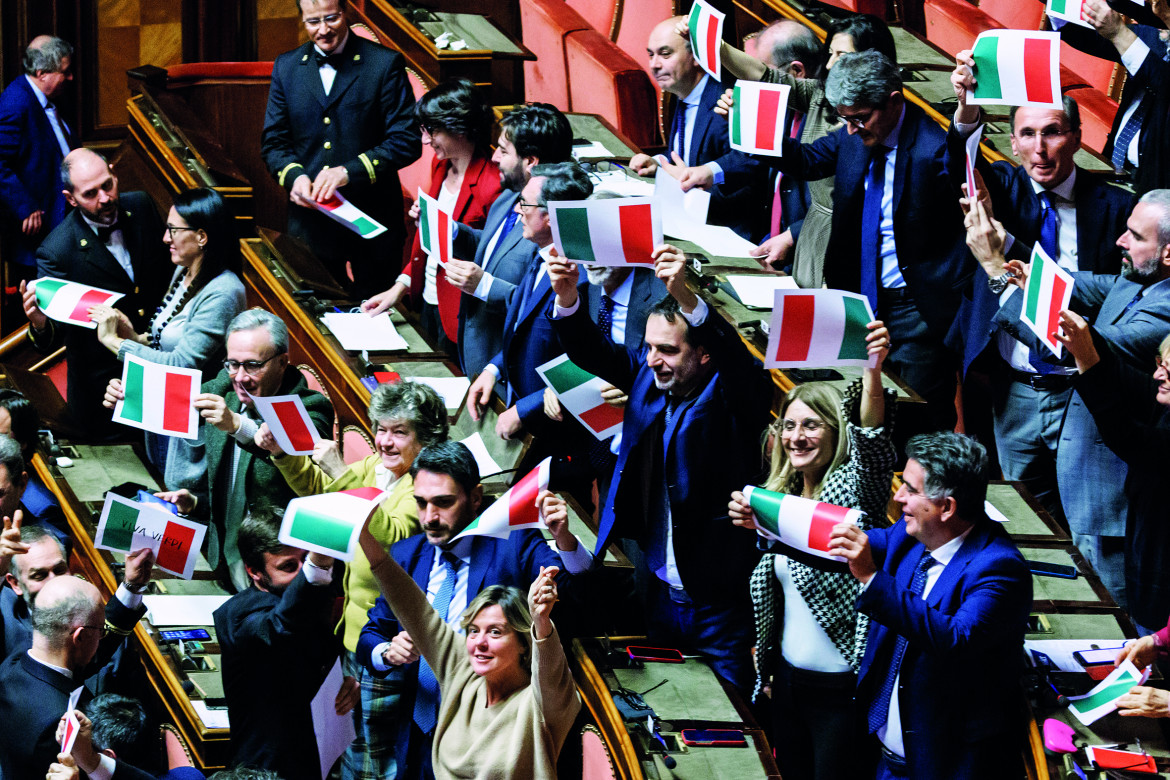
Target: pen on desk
<point x="339" y="311"/>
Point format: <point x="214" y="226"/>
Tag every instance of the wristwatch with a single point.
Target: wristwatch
<point x="998" y="284"/>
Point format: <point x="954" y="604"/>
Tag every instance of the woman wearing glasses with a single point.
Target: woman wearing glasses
<point x="456" y="123"/>
<point x="204" y="295"/>
<point x="809" y="636"/>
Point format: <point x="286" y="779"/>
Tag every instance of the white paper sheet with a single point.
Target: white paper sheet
<point x="453" y="389"/>
<point x="212" y="718"/>
<point x="359" y="331"/>
<point x="1060" y="651"/>
<point x="994" y="513"/>
<point x="487" y="465"/>
<point x="682" y="212"/>
<point x="594" y="150"/>
<point x="972" y="144"/>
<point x="182" y="610"/>
<point x="619" y="182"/>
<point x="334" y="732"/>
<point x="759" y="292"/>
<point x="720" y="241"/>
<point x="72" y="725"/>
<point x="1102" y="700"/>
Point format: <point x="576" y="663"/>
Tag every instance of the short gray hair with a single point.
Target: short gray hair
<point x="863" y="78"/>
<point x="11" y="457"/>
<point x="415" y="403"/>
<point x="251" y="319"/>
<point x="48" y="57"/>
<point x="953" y="465"/>
<point x="56" y="622"/>
<point x="30" y="535"/>
<point x="1161" y="199"/>
<point x="562" y="181"/>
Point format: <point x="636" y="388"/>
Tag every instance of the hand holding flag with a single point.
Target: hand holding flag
<point x="519" y="508"/>
<point x="541" y="598"/>
<point x="705" y="25"/>
<point x="1017" y="68"/>
<point x="803" y="526"/>
<point x="1046" y="293"/>
<point x="851" y="543"/>
<point x="1077" y="337"/>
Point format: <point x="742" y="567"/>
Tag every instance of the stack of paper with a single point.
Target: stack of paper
<point x="359" y="331"/>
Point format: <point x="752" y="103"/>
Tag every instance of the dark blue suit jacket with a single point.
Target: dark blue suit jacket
<point x="30" y="167"/>
<point x="928" y="224"/>
<point x="739" y="202"/>
<point x="960" y="696"/>
<point x="646" y="291"/>
<point x="713" y="449"/>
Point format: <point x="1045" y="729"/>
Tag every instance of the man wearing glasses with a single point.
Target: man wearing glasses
<point x="340" y="118"/>
<point x="222" y="473"/>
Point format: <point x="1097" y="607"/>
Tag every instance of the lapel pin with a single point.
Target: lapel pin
<point x="85" y="242"/>
<point x="305" y="58"/>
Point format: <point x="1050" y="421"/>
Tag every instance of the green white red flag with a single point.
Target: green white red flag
<point x="436" y="229"/>
<point x="514" y="510"/>
<point x="289" y="422"/>
<point x="158" y="398"/>
<point x="1017" y="68"/>
<point x="818" y="328"/>
<point x="351" y="216"/>
<point x="329" y="523"/>
<point x="66" y="301"/>
<point x="757" y="118"/>
<point x="580" y="393"/>
<point x="706" y="26"/>
<point x="1067" y="11"/>
<point x="1047" y="292"/>
<point x="128" y="526"/>
<point x="802" y="525"/>
<point x="72" y="724"/>
<point x="615" y="231"/>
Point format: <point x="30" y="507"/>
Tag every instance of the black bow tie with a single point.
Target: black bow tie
<point x="333" y="59"/>
<point x="105" y="231"/>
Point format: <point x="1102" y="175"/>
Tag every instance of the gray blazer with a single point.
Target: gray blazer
<point x="1090" y="477"/>
<point x="481" y="323"/>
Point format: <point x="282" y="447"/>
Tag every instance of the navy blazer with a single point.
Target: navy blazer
<point x="481" y="323"/>
<point x="1152" y="79"/>
<point x="742" y="202"/>
<point x="647" y="290"/>
<point x="72" y="251"/>
<point x="30" y="167"/>
<point x="928" y="224"/>
<point x="713" y="449"/>
<point x="959" y="690"/>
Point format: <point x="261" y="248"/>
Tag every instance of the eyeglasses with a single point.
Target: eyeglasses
<point x="329" y="20"/>
<point x="859" y="121"/>
<point x="1048" y="135"/>
<point x="810" y="426"/>
<point x="1159" y="363"/>
<point x="102" y="629"/>
<point x="524" y="208"/>
<point x="251" y="367"/>
<point x="172" y="229"/>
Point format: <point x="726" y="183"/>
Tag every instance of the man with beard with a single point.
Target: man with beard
<point x="108" y="241"/>
<point x="1131" y="312"/>
<point x="278" y="645"/>
<point x="448" y="493"/>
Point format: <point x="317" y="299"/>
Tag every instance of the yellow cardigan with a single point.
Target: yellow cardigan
<point x="395" y="519"/>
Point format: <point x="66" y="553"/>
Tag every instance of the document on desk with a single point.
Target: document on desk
<point x="621" y="183"/>
<point x="994" y="513"/>
<point x="1102" y="700"/>
<point x="759" y="291"/>
<point x="487" y="464"/>
<point x="164" y="611"/>
<point x="359" y="331"/>
<point x="334" y="732"/>
<point x="213" y="718"/>
<point x="452" y="389"/>
<point x="594" y="150"/>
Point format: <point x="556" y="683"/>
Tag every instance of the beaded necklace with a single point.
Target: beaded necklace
<point x="157" y="323"/>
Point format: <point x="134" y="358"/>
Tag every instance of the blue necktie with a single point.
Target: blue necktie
<point x="1049" y="229"/>
<point x="605" y="318"/>
<point x="678" y="139"/>
<point x="1126" y="135"/>
<point x="1132" y="303"/>
<point x="879" y="709"/>
<point x="509" y="223"/>
<point x="871" y="226"/>
<point x="426" y="698"/>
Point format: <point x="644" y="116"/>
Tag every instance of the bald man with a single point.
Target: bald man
<point x="68" y="625"/>
<point x="112" y="241"/>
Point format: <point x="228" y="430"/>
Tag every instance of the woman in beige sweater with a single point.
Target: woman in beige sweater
<point x="507" y="697"/>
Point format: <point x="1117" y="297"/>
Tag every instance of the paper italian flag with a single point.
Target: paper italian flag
<point x="1047" y="292"/>
<point x="800" y="524"/>
<point x="128" y="526"/>
<point x="351" y="216"/>
<point x="515" y="509"/>
<point x="289" y="422"/>
<point x="69" y="301"/>
<point x="331" y="522"/>
<point x="72" y="724"/>
<point x="706" y="26"/>
<point x="580" y="393"/>
<point x="616" y="231"/>
<point x="757" y="118"/>
<point x="158" y="398"/>
<point x="1067" y="10"/>
<point x="1017" y="68"/>
<point x="818" y="328"/>
<point x="435" y="228"/>
<point x="1102" y="700"/>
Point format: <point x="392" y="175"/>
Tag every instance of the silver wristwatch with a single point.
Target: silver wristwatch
<point x="998" y="284"/>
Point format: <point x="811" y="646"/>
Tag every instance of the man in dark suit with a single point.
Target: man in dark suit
<point x="697" y="404"/>
<point x="341" y="118"/>
<point x="68" y="625"/>
<point x="1131" y="312"/>
<point x="1075" y="217"/>
<point x="948" y="596"/>
<point x="529" y="340"/>
<point x="278" y="646"/>
<point x="108" y="241"/>
<point x="897" y="232"/>
<point x="31" y="557"/>
<point x="1139" y="141"/>
<point x="491" y="262"/>
<point x="447" y="489"/>
<point x="222" y="473"/>
<point x="698" y="149"/>
<point x="34" y="138"/>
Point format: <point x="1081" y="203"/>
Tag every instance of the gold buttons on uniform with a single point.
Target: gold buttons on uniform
<point x="141" y="313"/>
<point x="328" y="145"/>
